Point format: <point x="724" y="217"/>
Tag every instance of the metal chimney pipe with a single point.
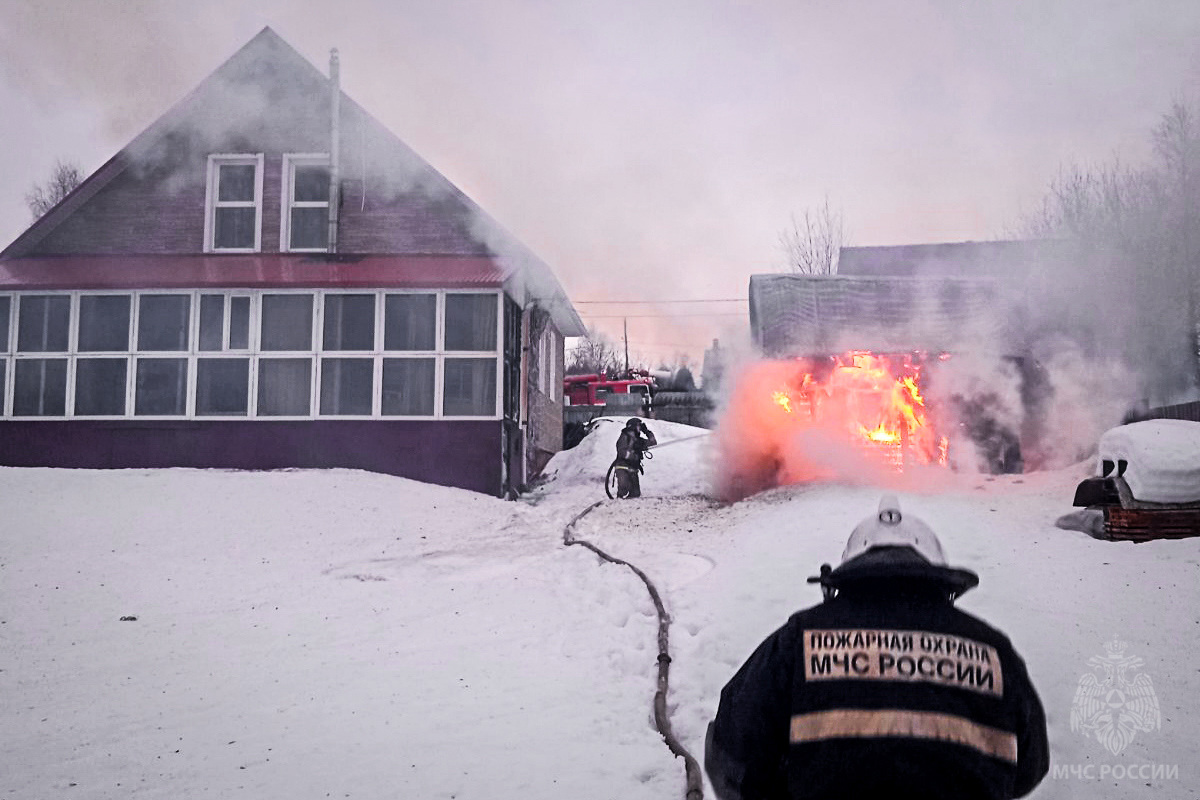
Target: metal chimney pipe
<point x="335" y="108"/>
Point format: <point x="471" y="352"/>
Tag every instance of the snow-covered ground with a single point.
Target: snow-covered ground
<point x="339" y="633"/>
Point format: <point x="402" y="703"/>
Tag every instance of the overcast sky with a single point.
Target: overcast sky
<point x="651" y="149"/>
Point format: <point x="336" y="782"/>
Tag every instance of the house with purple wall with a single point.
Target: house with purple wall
<point x="268" y="278"/>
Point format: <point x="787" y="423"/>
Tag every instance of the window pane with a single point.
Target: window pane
<point x="163" y="322"/>
<point x="222" y="386"/>
<point x="104" y="323"/>
<point x="4" y="317"/>
<point x="283" y="387"/>
<point x="408" y="386"/>
<point x="409" y="321"/>
<point x="349" y="322"/>
<point x="239" y="323"/>
<point x="309" y="229"/>
<point x="287" y="322"/>
<point x="161" y="387"/>
<point x="100" y="386"/>
<point x="470" y="387"/>
<point x="346" y="385"/>
<point x="3" y="384"/>
<point x="470" y="322"/>
<point x="235" y="182"/>
<point x="234" y="228"/>
<point x="43" y="323"/>
<point x="40" y="388"/>
<point x="212" y="321"/>
<point x="311" y="184"/>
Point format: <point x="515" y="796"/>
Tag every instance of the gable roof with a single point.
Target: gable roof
<point x="264" y="64"/>
<point x="267" y="44"/>
<point x="803" y="315"/>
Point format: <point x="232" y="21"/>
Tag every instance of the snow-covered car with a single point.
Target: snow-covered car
<point x="1148" y="481"/>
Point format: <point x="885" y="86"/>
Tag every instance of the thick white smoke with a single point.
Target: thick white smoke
<point x="1054" y="405"/>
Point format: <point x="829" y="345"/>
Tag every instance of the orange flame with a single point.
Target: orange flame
<point x="877" y="400"/>
<point x="880" y="434"/>
<point x="861" y="418"/>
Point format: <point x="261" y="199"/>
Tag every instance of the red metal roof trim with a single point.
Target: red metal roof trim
<point x="266" y="271"/>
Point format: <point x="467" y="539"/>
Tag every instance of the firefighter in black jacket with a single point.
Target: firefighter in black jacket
<point x="885" y="690"/>
<point x="634" y="441"/>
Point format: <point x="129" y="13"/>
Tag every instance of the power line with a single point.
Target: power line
<point x="669" y="344"/>
<point x="660" y="302"/>
<point x="661" y="316"/>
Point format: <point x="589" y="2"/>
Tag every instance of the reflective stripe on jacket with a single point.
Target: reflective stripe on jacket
<point x="630" y="447"/>
<point x="879" y="694"/>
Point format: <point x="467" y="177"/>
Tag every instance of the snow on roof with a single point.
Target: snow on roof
<point x="1163" y="457"/>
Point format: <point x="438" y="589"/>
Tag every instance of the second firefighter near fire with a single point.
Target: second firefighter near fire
<point x="632" y="446"/>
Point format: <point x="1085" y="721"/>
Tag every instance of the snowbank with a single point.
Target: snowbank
<point x="678" y="466"/>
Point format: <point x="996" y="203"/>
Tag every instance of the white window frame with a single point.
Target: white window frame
<point x="254" y="353"/>
<point x="130" y="355"/>
<point x="312" y="354"/>
<point x="544" y="361"/>
<point x="555" y="370"/>
<point x="226" y="352"/>
<point x="548" y="363"/>
<point x="361" y="355"/>
<point x="449" y="354"/>
<point x="227" y="296"/>
<point x="287" y="198"/>
<point x="436" y="353"/>
<point x="211" y="203"/>
<point x="15" y="355"/>
<point x="187" y="355"/>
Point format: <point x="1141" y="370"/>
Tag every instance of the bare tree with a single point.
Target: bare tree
<point x="812" y="243"/>
<point x="65" y="176"/>
<point x="594" y="353"/>
<point x="1137" y="228"/>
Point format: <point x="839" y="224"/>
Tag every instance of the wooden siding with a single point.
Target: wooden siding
<point x="463" y="454"/>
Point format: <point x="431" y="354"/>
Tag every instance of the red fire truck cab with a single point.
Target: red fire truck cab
<point x="593" y="390"/>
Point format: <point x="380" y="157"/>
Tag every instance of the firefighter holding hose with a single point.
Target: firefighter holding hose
<point x="632" y="444"/>
<point x="885" y="690"/>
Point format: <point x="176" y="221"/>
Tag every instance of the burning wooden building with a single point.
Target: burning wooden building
<point x="869" y="359"/>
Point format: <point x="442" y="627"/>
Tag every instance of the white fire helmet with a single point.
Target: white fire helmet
<point x="890" y="528"/>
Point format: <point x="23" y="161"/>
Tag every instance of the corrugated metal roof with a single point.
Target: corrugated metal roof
<point x="797" y="315"/>
<point x="268" y="270"/>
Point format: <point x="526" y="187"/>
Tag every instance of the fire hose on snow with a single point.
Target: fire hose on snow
<point x="662" y="721"/>
<point x="609" y="479"/>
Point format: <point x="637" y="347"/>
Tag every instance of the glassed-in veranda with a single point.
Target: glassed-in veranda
<point x="253" y="354"/>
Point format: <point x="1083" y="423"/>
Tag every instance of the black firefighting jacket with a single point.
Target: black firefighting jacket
<point x="887" y="692"/>
<point x="631" y="446"/>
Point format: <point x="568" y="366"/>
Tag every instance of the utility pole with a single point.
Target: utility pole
<point x="626" y="321"/>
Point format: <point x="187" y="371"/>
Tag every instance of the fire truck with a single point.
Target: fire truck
<point x="594" y="390"/>
<point x="664" y="394"/>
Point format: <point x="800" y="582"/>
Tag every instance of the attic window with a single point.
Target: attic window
<point x="233" y="217"/>
<point x="305" y="203"/>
